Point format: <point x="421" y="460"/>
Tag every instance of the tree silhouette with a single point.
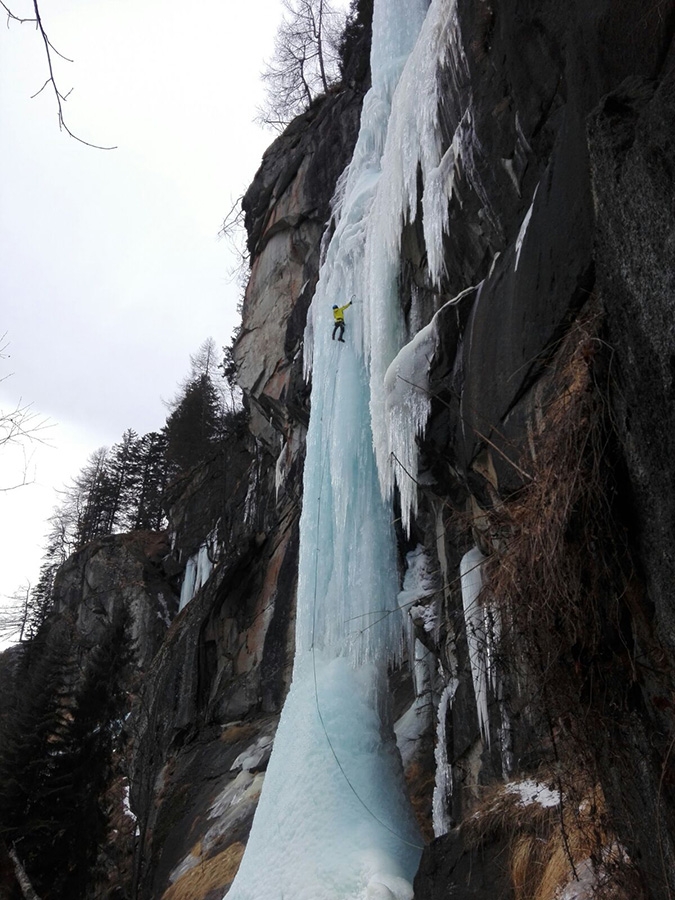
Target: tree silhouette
<point x="151" y="475"/>
<point x="193" y="428"/>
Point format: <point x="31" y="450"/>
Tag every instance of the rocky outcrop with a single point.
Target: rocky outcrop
<point x="114" y="574"/>
<point x="287" y="208"/>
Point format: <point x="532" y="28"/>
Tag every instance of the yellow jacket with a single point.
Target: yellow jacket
<point x="339" y="312"/>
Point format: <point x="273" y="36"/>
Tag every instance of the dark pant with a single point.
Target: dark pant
<point x="341" y="326"/>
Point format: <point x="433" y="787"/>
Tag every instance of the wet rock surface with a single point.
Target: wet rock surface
<point x="450" y="870"/>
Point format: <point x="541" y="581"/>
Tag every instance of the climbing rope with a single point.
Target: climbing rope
<point x="313" y="649"/>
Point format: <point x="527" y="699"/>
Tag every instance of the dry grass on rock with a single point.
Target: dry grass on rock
<point x="561" y="566"/>
<point x="554" y="849"/>
<point x="216" y="873"/>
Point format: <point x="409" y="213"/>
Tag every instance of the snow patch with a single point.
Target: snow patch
<point x="585" y="887"/>
<point x="126" y="804"/>
<point x="533" y="792"/>
<point x="254" y="756"/>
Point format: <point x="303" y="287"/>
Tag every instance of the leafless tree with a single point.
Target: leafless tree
<point x="50" y="82"/>
<point x="14" y="615"/>
<point x="19" y="426"/>
<point x="233" y="231"/>
<point x="305" y="63"/>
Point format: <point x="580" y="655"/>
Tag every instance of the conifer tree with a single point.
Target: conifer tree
<point x="81" y="766"/>
<point x="153" y="480"/>
<point x="92" y="495"/>
<point x="122" y="477"/>
<point x="39" y="707"/>
<point x="40" y="599"/>
<point x="57" y="745"/>
<point x="194" y="426"/>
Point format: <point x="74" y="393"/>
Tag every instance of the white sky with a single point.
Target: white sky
<point x="111" y="271"/>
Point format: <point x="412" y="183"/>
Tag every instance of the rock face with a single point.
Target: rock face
<point x="630" y="140"/>
<point x="287" y="208"/>
<point x="114" y="573"/>
<point x="563" y="218"/>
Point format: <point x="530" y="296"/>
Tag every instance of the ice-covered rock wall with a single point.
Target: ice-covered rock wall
<point x="512" y="179"/>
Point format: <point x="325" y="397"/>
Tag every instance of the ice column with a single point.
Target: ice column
<point x="334" y="822"/>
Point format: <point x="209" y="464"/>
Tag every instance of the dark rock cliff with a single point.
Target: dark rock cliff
<point x="572" y="120"/>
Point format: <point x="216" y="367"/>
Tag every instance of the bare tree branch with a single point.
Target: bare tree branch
<point x="233" y="231"/>
<point x="24" y="882"/>
<point x="14" y="615"/>
<point x="19" y="426"/>
<point x="51" y="79"/>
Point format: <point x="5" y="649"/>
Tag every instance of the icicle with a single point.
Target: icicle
<point x="523" y="228"/>
<point x="187" y="590"/>
<point x="419" y="584"/>
<point x="407" y="406"/>
<point x="441" y="817"/>
<point x="199" y="567"/>
<point x="413" y="144"/>
<point x="476" y="633"/>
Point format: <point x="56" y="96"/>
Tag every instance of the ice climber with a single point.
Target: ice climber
<point x="339" y="316"/>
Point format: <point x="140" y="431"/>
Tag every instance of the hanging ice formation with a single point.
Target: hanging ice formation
<point x="334" y="821"/>
<point x="199" y="568"/>
<point x="482" y="634"/>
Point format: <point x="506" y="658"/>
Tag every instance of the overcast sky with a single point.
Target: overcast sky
<point x="111" y="270"/>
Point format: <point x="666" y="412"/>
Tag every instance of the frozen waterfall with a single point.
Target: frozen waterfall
<point x="334" y="821"/>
